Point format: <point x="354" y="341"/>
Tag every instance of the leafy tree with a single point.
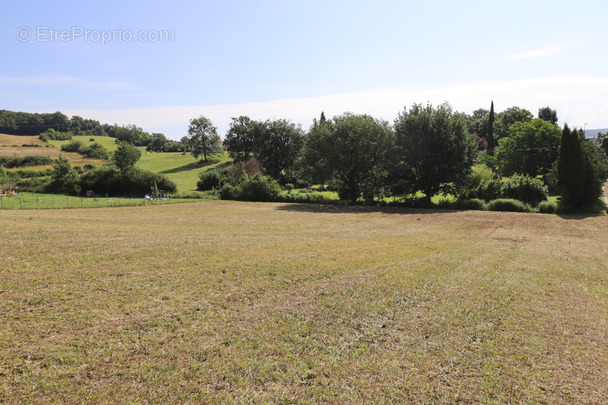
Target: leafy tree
<point x="157" y="142"/>
<point x="530" y="148"/>
<point x="63" y="176"/>
<point x="351" y="152"/>
<point x="240" y="138"/>
<point x="277" y="146"/>
<point x="480" y="113"/>
<point x="125" y="156"/>
<point x="434" y="147"/>
<point x="510" y="116"/>
<point x="203" y="137"/>
<point x="547" y="114"/>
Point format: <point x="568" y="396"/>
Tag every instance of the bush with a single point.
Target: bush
<point x="133" y="181"/>
<point x="10" y="162"/>
<point x="228" y="192"/>
<point x="260" y="188"/>
<point x="506" y="204"/>
<point x="209" y="180"/>
<point x="488" y="189"/>
<point x="525" y="188"/>
<point x="547" y="207"/>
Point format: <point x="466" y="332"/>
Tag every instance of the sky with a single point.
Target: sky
<point x="158" y="64"/>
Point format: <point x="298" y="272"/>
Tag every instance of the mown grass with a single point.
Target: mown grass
<point x="30" y="201"/>
<point x="229" y="302"/>
<point x="183" y="169"/>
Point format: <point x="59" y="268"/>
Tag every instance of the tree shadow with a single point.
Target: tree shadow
<point x="359" y="209"/>
<point x="195" y="165"/>
<point x="186" y="167"/>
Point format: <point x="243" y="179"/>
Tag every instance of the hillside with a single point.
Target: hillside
<point x="183" y="169"/>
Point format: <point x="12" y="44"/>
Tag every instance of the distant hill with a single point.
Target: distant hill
<point x="592" y="133"/>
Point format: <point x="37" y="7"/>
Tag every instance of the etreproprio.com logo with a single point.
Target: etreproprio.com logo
<point x="102" y="37"/>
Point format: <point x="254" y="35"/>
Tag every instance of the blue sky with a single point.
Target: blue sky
<point x="294" y="59"/>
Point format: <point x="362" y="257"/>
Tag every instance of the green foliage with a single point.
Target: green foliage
<point x="530" y="148"/>
<point x="125" y="156"/>
<point x="203" y="138"/>
<point x="434" y="147"/>
<point x="260" y="188"/>
<point x="350" y="152"/>
<point x="525" y="188"/>
<point x="581" y="170"/>
<point x="508" y="117"/>
<point x="132" y="181"/>
<point x="51" y="134"/>
<point x="214" y="178"/>
<point x="505" y="204"/>
<point x="63" y="177"/>
<point x="130" y="134"/>
<point x="479" y="173"/>
<point x="240" y="138"/>
<point x="547" y="207"/>
<point x="11" y="162"/>
<point x="548" y="114"/>
<point x="277" y="146"/>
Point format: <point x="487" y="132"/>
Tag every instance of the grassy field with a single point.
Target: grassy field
<point x="105" y="141"/>
<point x="28" y="201"/>
<point x="228" y="302"/>
<point x="11" y="146"/>
<point x="182" y="169"/>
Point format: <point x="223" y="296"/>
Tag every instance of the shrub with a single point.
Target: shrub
<point x="479" y="173"/>
<point x="260" y="188"/>
<point x="506" y="204"/>
<point x="10" y="162"/>
<point x="228" y="192"/>
<point x="525" y="188"/>
<point x="489" y="189"/>
<point x="208" y="180"/>
<point x="547" y="207"/>
<point x="133" y="181"/>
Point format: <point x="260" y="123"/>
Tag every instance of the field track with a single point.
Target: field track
<point x="219" y="302"/>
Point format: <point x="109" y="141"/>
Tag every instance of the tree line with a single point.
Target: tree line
<point x="427" y="149"/>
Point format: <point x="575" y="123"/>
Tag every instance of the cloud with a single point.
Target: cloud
<point x="536" y="53"/>
<point x="578" y="100"/>
<point x="62" y="81"/>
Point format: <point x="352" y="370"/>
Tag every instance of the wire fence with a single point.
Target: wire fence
<point x="46" y="201"/>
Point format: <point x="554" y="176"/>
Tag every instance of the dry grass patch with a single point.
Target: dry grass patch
<point x="270" y="303"/>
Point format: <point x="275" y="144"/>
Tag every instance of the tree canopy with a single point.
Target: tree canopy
<point x="125" y="156"/>
<point x="531" y="148"/>
<point x="351" y="152"/>
<point x="203" y="137"/>
<point x="434" y="147"/>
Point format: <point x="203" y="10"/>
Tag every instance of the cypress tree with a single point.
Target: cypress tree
<point x="490" y="138"/>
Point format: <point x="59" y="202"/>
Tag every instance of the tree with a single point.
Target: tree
<point x="434" y="147"/>
<point x="63" y="177"/>
<point x="240" y="138"/>
<point x="531" y="148"/>
<point x="277" y="146"/>
<point x="125" y="156"/>
<point x="203" y="137"/>
<point x="490" y="138"/>
<point x="547" y="114"/>
<point x="157" y="142"/>
<point x="351" y="152"/>
<point x="510" y="116"/>
<point x="581" y="169"/>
